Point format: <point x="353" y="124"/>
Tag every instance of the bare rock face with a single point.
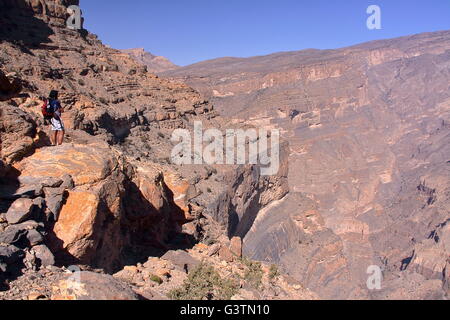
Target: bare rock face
<point x="92" y="286"/>
<point x="431" y="256"/>
<point x="8" y="87"/>
<point x="52" y="8"/>
<point x="18" y="133"/>
<point x="20" y="211"/>
<point x="154" y="63"/>
<point x="236" y="246"/>
<point x="368" y="128"/>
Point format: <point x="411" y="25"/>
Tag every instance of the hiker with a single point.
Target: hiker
<point x="52" y="111"/>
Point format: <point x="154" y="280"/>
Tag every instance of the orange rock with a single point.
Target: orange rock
<point x="236" y="246"/>
<point x="76" y="222"/>
<point x="163" y="273"/>
<point x="179" y="188"/>
<point x="87" y="164"/>
<point x="201" y="247"/>
<point x="151" y="191"/>
<point x="226" y="255"/>
<point x="133" y="269"/>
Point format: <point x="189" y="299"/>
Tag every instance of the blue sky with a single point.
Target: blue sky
<point x="189" y="31"/>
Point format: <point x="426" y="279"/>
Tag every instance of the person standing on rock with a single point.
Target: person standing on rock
<point x="57" y="125"/>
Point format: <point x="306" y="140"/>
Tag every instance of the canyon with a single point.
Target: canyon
<point x="368" y="168"/>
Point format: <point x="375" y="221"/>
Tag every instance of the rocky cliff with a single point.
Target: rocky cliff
<point x="368" y="128"/>
<point x="110" y="196"/>
<point x="154" y="63"/>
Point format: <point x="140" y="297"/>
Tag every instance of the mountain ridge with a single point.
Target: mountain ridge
<point x="315" y="50"/>
<point x="154" y="63"/>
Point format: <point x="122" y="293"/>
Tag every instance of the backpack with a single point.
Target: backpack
<point x="47" y="110"/>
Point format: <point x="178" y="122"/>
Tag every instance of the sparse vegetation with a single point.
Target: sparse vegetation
<point x="254" y="272"/>
<point x="156" y="279"/>
<point x="273" y="272"/>
<point x="205" y="283"/>
<point x="209" y="190"/>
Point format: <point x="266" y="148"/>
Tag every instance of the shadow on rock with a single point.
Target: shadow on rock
<point x="21" y="27"/>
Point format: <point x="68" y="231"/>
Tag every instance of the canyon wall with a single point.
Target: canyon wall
<point x="368" y="130"/>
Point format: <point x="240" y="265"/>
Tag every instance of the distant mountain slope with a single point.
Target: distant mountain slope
<point x="154" y="63"/>
<point x="369" y="132"/>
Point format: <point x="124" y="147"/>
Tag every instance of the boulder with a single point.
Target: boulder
<point x="44" y="255"/>
<point x="86" y="164"/>
<point x="236" y="246"/>
<point x="54" y="198"/>
<point x="12" y="192"/>
<point x="75" y="226"/>
<point x="18" y="234"/>
<point x="181" y="259"/>
<point x="13" y="235"/>
<point x="214" y="249"/>
<point x="92" y="286"/>
<point x="18" y="133"/>
<point x="87" y="199"/>
<point x="225" y="254"/>
<point x="20" y="211"/>
<point x="8" y="256"/>
<point x="9" y="87"/>
<point x="34" y="237"/>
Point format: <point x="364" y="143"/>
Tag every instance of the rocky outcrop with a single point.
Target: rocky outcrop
<point x="54" y="8"/>
<point x="109" y="208"/>
<point x="9" y="86"/>
<point x="431" y="257"/>
<point x="154" y="63"/>
<point x="92" y="286"/>
<point x="18" y="133"/>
